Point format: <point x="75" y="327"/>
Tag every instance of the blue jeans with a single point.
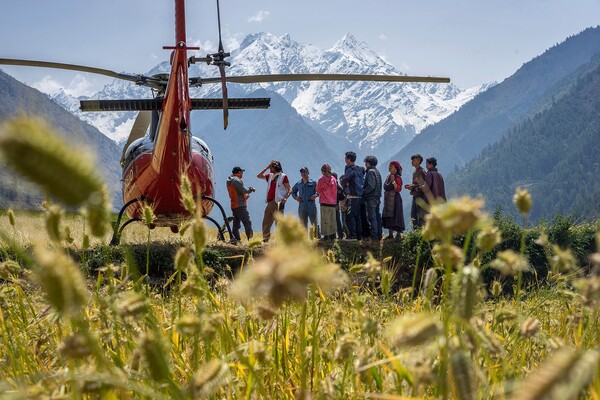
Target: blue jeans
<point x="374" y="218"/>
<point x="306" y="212"/>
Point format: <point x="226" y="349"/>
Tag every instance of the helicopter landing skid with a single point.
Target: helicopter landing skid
<point x="117" y="229"/>
<point x="226" y="220"/>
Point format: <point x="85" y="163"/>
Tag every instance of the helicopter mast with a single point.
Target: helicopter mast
<point x="179" y="21"/>
<point x="172" y="149"/>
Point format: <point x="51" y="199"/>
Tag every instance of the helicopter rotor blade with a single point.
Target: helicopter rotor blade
<point x="137" y="79"/>
<point x="225" y="99"/>
<point x="219" y="23"/>
<point x="140" y="126"/>
<point x="322" y="77"/>
<point x="219" y="60"/>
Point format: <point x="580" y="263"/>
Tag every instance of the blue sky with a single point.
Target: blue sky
<point x="471" y="41"/>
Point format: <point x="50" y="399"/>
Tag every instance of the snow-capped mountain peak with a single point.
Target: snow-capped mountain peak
<point x="376" y="117"/>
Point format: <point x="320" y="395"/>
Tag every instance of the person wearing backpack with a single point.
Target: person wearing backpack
<point x="352" y="181"/>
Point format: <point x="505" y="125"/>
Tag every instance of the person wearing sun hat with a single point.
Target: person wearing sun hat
<point x="305" y="192"/>
<point x="238" y="196"/>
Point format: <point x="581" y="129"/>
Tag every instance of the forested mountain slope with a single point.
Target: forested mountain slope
<point x="554" y="154"/>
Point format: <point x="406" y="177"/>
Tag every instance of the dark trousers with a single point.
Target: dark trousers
<point x="241" y="216"/>
<point x="353" y="219"/>
<point x="366" y="227"/>
<point x="417" y="214"/>
<point x="338" y="221"/>
<point x="374" y="218"/>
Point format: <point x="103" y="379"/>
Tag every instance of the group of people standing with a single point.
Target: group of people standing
<point x="349" y="205"/>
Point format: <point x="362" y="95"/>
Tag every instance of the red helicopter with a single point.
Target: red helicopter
<point x="161" y="148"/>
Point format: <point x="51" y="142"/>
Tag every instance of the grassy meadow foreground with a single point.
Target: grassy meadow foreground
<point x="470" y="307"/>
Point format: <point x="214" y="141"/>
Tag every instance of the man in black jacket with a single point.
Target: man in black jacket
<point x="372" y="197"/>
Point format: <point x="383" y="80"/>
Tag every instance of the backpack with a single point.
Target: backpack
<point x="359" y="180"/>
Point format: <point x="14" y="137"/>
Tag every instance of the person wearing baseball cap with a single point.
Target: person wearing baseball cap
<point x="305" y="193"/>
<point x="238" y="195"/>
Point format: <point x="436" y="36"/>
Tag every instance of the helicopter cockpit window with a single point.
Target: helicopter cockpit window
<point x="136" y="148"/>
<point x="199" y="145"/>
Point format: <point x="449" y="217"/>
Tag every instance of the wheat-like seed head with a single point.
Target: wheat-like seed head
<point x="290" y="230"/>
<point x="465" y="289"/>
<point x="184" y="258"/>
<point x="542" y="240"/>
<point x="589" y="289"/>
<point x="285" y="272"/>
<point x="463" y="375"/>
<point x="529" y="327"/>
<point x="429" y="281"/>
<point x="148" y="215"/>
<point x="564" y="376"/>
<point x="75" y="346"/>
<point x="132" y="304"/>
<point x="11" y="217"/>
<point x="446" y="254"/>
<point x="454" y="217"/>
<point x="562" y="260"/>
<point x="208" y="379"/>
<point x="98" y="212"/>
<point x="505" y="314"/>
<point x="488" y="238"/>
<point x="522" y="200"/>
<point x="510" y="263"/>
<point x="186" y="194"/>
<point x="188" y="324"/>
<point x="496" y="288"/>
<point x="414" y="330"/>
<point x="33" y="149"/>
<point x="345" y="348"/>
<point x="9" y="269"/>
<point x="154" y="353"/>
<point x="54" y="217"/>
<point x="61" y="280"/>
<point x="199" y="231"/>
<point x="265" y="311"/>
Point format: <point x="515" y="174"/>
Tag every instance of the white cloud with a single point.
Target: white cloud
<point x="47" y="85"/>
<point x="259" y="16"/>
<point x="81" y="86"/>
<point x="78" y="86"/>
<point x="382" y="36"/>
<point x="230" y="42"/>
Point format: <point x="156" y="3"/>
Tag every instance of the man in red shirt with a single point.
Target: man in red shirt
<point x="278" y="191"/>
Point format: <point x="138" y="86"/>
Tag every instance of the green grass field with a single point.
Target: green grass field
<point x="472" y="307"/>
